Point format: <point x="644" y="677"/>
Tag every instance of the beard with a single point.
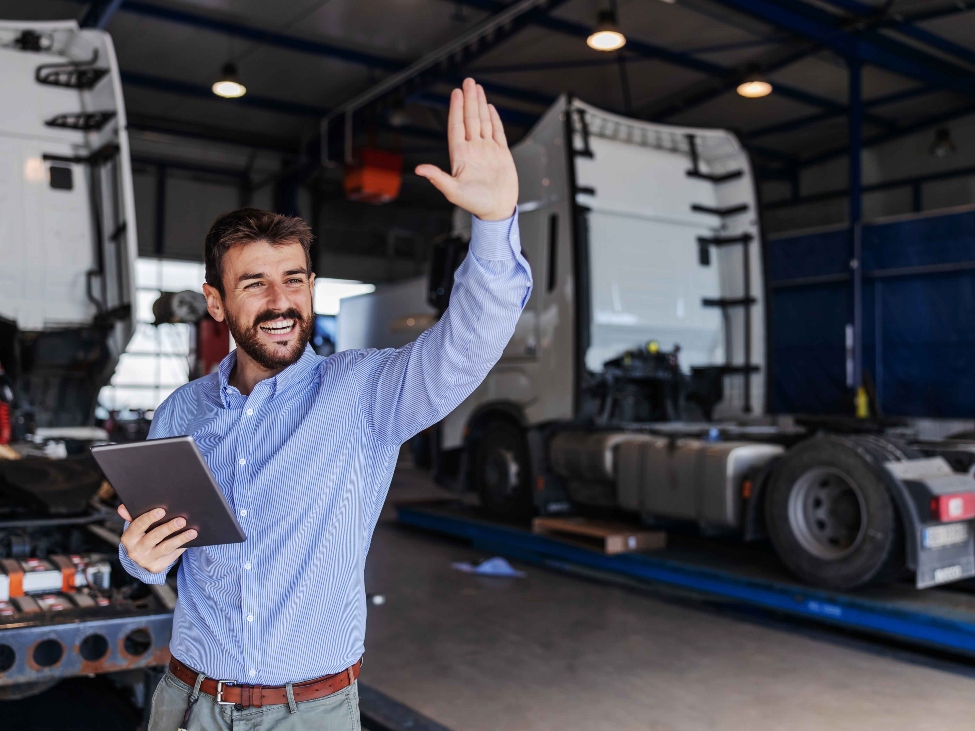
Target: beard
<point x="279" y="355"/>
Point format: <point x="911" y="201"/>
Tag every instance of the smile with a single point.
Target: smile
<point x="279" y="327"/>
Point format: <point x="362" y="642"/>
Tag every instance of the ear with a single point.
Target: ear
<point x="214" y="303"/>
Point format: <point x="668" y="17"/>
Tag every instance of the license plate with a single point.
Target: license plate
<point x="945" y="535"/>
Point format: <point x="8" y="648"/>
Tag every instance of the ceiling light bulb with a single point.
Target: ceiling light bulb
<point x="606" y="36"/>
<point x="228" y="84"/>
<point x="754" y="89"/>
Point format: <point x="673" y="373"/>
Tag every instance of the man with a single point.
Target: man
<point x="269" y="633"/>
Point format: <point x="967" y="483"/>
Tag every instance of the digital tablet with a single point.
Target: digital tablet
<point x="170" y="474"/>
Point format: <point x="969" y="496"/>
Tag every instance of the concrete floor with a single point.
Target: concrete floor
<point x="551" y="651"/>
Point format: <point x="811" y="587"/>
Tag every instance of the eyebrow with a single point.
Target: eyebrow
<point x="262" y="275"/>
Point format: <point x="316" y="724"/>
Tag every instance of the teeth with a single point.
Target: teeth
<point x="277" y="326"/>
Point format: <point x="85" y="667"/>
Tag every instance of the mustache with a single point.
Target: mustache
<point x="269" y="316"/>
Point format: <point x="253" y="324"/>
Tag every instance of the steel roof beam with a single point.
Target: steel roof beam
<point x="261" y="35"/>
<point x="868" y="46"/>
<point x="794" y="124"/>
<point x="100" y="13"/>
<point x="172" y="86"/>
<point x="182" y="88"/>
<point x="862" y="10"/>
<point x="708" y="92"/>
<point x="871" y="188"/>
<point x="930" y="121"/>
<point x="674" y="58"/>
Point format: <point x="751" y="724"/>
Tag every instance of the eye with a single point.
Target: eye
<point x="253" y="285"/>
<point x="295" y="280"/>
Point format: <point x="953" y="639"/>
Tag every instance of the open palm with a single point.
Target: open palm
<point x="482" y="179"/>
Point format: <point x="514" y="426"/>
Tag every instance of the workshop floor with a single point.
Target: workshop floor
<point x="551" y="651"/>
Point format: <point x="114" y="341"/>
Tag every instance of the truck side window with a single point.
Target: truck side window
<point x="553" y="242"/>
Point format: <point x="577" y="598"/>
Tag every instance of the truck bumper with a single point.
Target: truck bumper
<point x="35" y="653"/>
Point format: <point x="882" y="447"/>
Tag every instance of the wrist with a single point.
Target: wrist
<point x="501" y="214"/>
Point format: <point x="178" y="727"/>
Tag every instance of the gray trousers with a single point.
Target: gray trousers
<point x="336" y="712"/>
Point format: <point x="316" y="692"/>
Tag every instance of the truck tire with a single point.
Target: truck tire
<point x="830" y="517"/>
<point x="501" y="471"/>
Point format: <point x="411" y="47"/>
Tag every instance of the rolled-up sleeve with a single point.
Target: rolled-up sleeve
<point x="412" y="387"/>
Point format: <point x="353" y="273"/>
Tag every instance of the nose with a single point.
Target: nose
<point x="277" y="298"/>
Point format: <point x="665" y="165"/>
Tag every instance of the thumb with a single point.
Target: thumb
<point x="441" y="181"/>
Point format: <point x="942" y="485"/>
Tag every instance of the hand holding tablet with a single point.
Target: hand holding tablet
<point x="167" y="475"/>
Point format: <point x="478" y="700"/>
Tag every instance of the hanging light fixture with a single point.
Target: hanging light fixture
<point x="754" y="86"/>
<point x="606" y="36"/>
<point x="943" y="144"/>
<point x="228" y="83"/>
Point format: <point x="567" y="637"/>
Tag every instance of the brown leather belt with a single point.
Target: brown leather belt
<point x="256" y="696"/>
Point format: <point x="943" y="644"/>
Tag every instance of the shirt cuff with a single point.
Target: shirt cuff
<point x="498" y="240"/>
<point x="136" y="571"/>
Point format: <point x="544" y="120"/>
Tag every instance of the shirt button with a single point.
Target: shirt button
<point x="252" y="672"/>
<point x="250" y="412"/>
<point x="243" y="513"/>
<point x="250" y="617"/>
<point x="247" y="565"/>
<point x="243" y="461"/>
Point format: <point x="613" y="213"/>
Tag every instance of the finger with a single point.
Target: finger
<point x="142" y="523"/>
<point x="170" y="545"/>
<point x="497" y="126"/>
<point x="164" y="562"/>
<point x="472" y="119"/>
<point x="455" y="121"/>
<point x="124" y="512"/>
<point x="441" y="181"/>
<point x="157" y="535"/>
<point x="483" y="114"/>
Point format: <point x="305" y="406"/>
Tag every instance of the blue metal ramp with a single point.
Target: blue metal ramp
<point x="943" y="619"/>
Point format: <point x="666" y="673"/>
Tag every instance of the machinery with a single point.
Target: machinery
<point x="68" y="241"/>
<point x="636" y="378"/>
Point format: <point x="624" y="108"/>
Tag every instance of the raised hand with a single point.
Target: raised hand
<point x="482" y="179"/>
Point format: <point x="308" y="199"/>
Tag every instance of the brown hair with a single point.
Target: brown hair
<point x="246" y="225"/>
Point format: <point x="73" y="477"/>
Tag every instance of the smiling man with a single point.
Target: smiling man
<point x="269" y="633"/>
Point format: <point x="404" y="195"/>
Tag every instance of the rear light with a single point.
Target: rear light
<point x="960" y="506"/>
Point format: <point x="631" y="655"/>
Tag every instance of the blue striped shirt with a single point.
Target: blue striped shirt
<point x="305" y="461"/>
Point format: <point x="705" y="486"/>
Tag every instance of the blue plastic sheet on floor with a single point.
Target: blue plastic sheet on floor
<point x="496" y="566"/>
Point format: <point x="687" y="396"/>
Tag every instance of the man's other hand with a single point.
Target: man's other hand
<point x="482" y="179"/>
<point x="154" y="551"/>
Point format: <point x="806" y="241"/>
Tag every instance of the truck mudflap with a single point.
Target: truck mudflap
<point x="939" y="507"/>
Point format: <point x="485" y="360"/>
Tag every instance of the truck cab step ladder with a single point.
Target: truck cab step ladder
<point x="745" y="238"/>
<point x="83" y="121"/>
<point x="723" y="212"/>
<point x="728" y="302"/>
<point x="696" y="172"/>
<point x="69" y="75"/>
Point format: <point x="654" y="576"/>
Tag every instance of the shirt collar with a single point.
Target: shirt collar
<point x="279" y="382"/>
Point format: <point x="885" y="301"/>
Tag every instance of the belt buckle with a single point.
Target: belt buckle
<point x="220" y="700"/>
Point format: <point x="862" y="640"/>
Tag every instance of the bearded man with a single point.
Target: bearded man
<point x="269" y="633"/>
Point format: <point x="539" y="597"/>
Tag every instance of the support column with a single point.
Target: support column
<point x="856" y="247"/>
<point x="160" y="243"/>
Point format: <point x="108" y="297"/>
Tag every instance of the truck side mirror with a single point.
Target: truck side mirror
<point x="447" y="256"/>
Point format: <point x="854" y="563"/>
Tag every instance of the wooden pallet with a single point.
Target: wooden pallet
<point x="608" y="537"/>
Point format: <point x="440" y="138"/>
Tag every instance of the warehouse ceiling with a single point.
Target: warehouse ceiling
<point x="681" y="64"/>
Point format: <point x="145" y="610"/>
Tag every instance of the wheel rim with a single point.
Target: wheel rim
<point x="501" y="472"/>
<point x="826" y="513"/>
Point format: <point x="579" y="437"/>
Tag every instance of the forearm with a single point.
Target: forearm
<point x="419" y="384"/>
